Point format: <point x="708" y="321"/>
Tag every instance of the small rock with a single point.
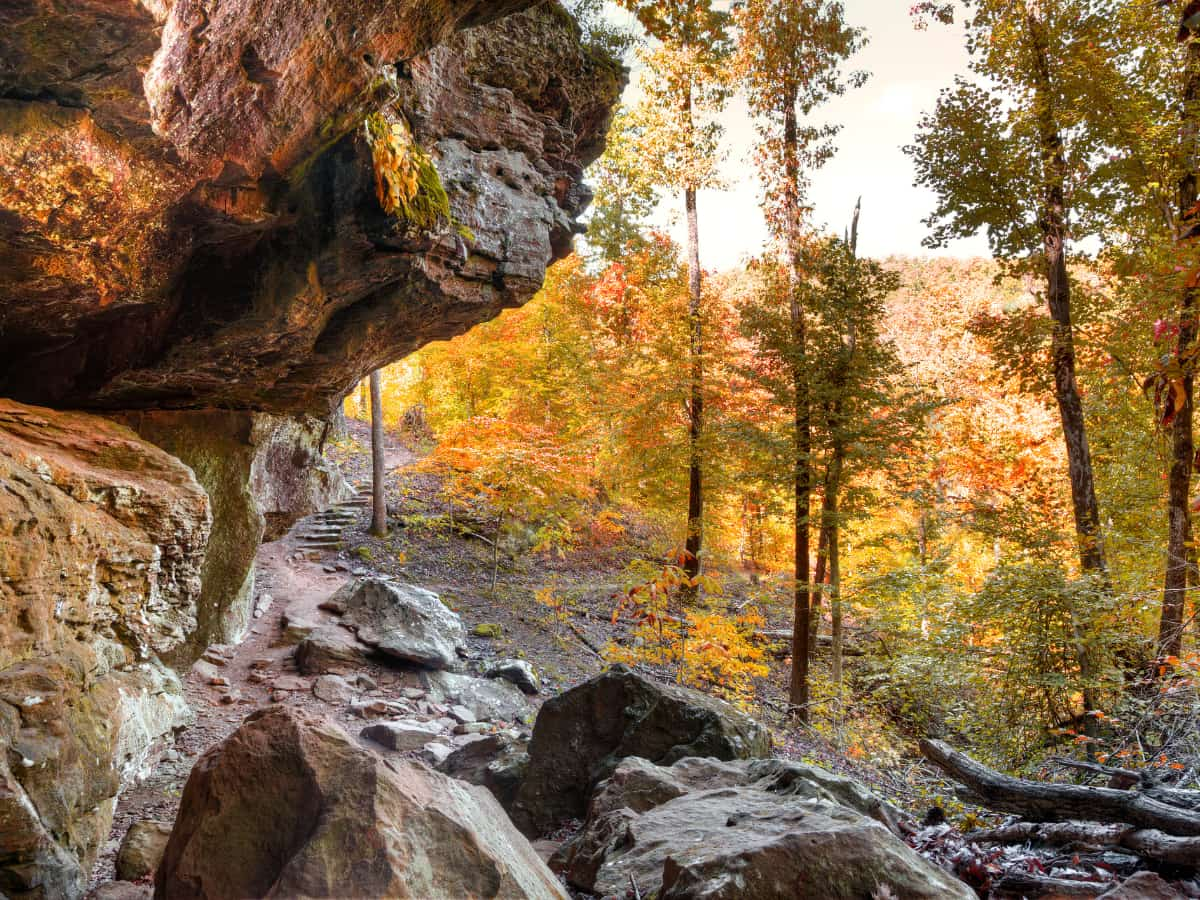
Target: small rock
<point x="461" y="740"/>
<point x="369" y="709"/>
<point x="231" y="698"/>
<point x="142" y="849"/>
<point x="414" y="693"/>
<point x="262" y="605"/>
<point x="279" y="696"/>
<point x="217" y="654"/>
<point x="263" y="662"/>
<point x="435" y="753"/>
<point x="472" y="728"/>
<point x="334" y="605"/>
<point x="205" y="671"/>
<point x="122" y="890"/>
<point x="365" y="682"/>
<point x="256" y="677"/>
<point x="219" y="681"/>
<point x="333" y="689"/>
<point x="296" y="631"/>
<point x="517" y="671"/>
<point x="490" y="631"/>
<point x="402" y="736"/>
<point x="445" y="724"/>
<point x="462" y="715"/>
<point x="292" y="683"/>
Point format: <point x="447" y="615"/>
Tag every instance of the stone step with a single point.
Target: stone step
<point x="320" y="544"/>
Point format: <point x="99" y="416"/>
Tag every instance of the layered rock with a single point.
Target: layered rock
<point x="291" y="806"/>
<point x="210" y="234"/>
<point x="581" y="736"/>
<point x="765" y="830"/>
<point x="102" y="538"/>
<point x="262" y="473"/>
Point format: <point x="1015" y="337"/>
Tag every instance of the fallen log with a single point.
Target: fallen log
<point x="1148" y="843"/>
<point x="1143" y="779"/>
<point x="1043" y="802"/>
<point x="783" y="638"/>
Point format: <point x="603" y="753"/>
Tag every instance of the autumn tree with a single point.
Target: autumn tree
<point x="1005" y="156"/>
<point x="684" y="86"/>
<point x="789" y="61"/>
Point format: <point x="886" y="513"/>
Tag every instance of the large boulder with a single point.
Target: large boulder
<point x="189" y="191"/>
<point x="290" y="806"/>
<point x="706" y="830"/>
<point x="401" y="621"/>
<point x="581" y="736"/>
<point x="102" y="538"/>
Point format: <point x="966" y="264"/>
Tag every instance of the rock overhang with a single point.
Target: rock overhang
<point x="209" y="234"/>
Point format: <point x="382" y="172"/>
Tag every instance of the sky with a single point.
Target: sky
<point x="908" y="68"/>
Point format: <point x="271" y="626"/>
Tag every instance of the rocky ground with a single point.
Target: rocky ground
<point x="294" y="576"/>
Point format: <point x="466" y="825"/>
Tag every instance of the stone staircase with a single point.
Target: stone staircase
<point x="323" y="531"/>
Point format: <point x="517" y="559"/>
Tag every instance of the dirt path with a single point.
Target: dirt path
<point x="293" y="575"/>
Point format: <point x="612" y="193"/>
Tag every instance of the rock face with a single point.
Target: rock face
<point x="401" y="621"/>
<point x="581" y="736"/>
<point x="101" y="544"/>
<point x="706" y="830"/>
<point x="262" y="473"/>
<point x="291" y="806"/>
<point x="209" y="234"/>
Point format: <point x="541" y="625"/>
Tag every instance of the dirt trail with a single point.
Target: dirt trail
<point x="296" y="573"/>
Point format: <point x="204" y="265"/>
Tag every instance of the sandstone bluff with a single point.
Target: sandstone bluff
<point x="194" y="253"/>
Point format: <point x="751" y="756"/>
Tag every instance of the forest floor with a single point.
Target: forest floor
<point x="564" y="644"/>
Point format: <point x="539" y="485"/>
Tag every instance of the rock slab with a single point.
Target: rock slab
<point x="289" y="806"/>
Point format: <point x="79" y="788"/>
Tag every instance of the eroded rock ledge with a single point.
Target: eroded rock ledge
<point x="208" y="233"/>
<point x="102" y="539"/>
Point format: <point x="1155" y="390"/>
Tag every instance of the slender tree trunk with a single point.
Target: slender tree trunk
<point x="695" y="521"/>
<point x="364" y="400"/>
<point x="820" y="579"/>
<point x="496" y="553"/>
<point x="835" y="575"/>
<point x="378" y="500"/>
<point x="1175" y="583"/>
<point x="1053" y="214"/>
<point x="801" y="427"/>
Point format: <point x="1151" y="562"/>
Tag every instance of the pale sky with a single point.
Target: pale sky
<point x="908" y="68"/>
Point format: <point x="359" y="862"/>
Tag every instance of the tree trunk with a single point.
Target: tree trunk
<point x="695" y="521"/>
<point x="1179" y="482"/>
<point x="1054" y="802"/>
<point x="801" y="428"/>
<point x="378" y="500"/>
<point x="1053" y="223"/>
<point x="819" y="581"/>
<point x="835" y="576"/>
<point x="1053" y="216"/>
